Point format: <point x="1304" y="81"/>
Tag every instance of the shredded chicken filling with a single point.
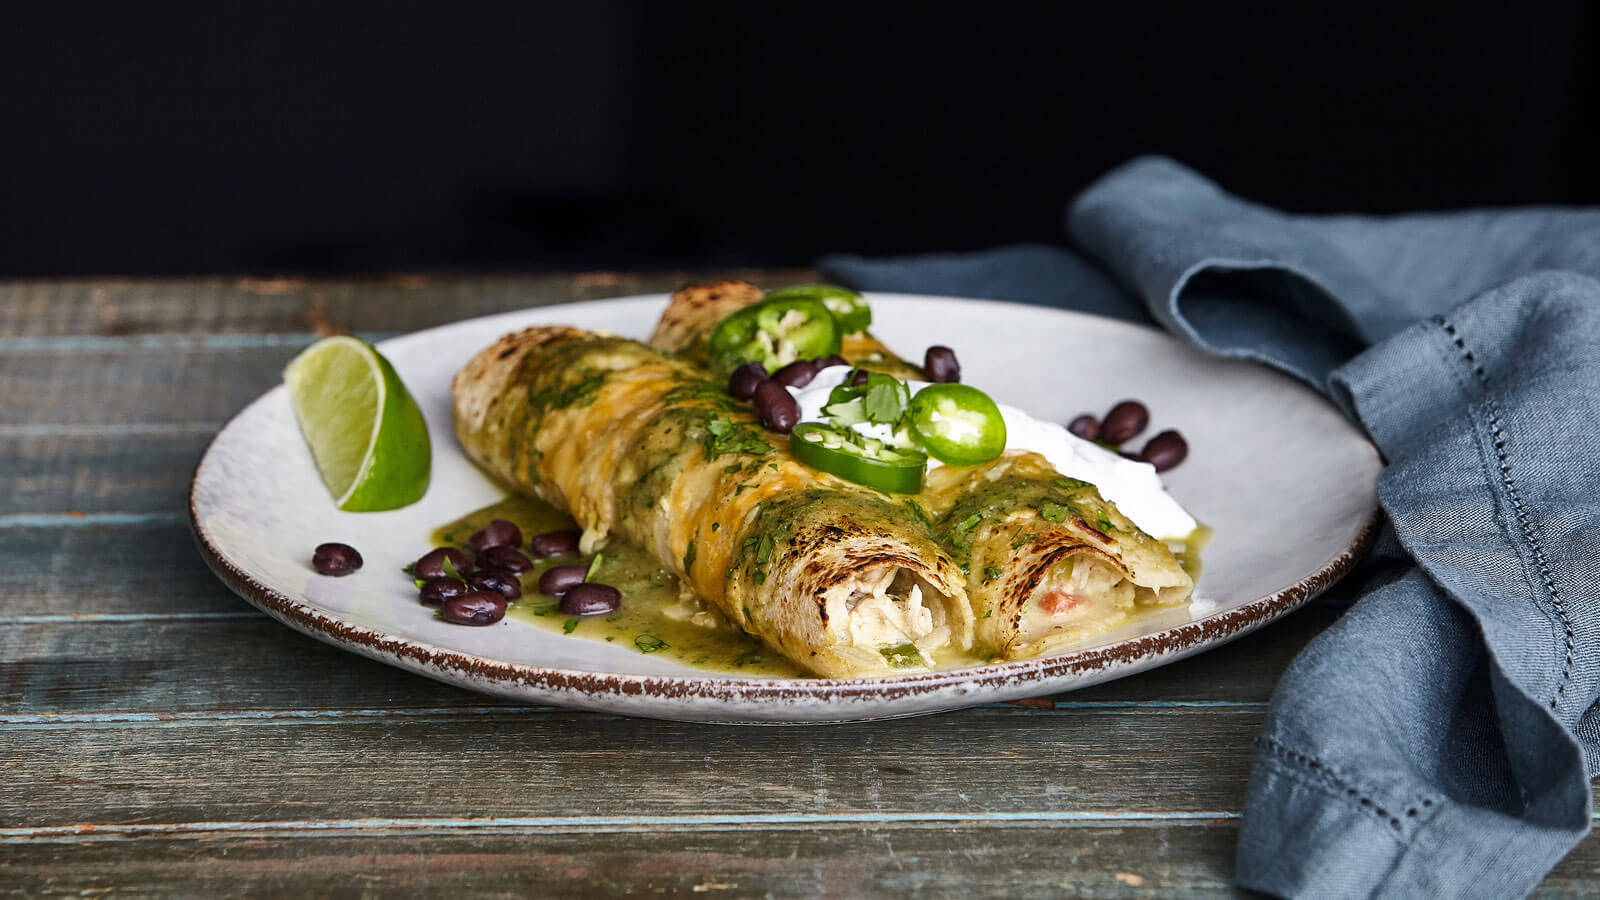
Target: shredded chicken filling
<point x="887" y="607"/>
<point x="1076" y="593"/>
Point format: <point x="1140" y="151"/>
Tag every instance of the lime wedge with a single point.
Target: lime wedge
<point x="366" y="433"/>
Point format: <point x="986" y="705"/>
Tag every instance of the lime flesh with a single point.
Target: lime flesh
<point x="365" y="431"/>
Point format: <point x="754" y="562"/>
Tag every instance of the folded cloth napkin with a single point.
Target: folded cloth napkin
<point x="1439" y="738"/>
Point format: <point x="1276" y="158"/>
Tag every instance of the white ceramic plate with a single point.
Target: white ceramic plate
<point x="1285" y="480"/>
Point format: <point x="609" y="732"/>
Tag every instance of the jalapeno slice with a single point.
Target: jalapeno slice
<point x="847" y="306"/>
<point x="858" y="458"/>
<point x="774" y="332"/>
<point x="958" y="424"/>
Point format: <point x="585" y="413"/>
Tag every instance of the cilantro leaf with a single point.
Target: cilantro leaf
<point x="1053" y="512"/>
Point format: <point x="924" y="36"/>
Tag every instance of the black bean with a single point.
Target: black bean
<point x="743" y="382"/>
<point x="559" y="580"/>
<point x="591" y="600"/>
<point x="335" y="559"/>
<point x="439" y="590"/>
<point x="828" y="362"/>
<point x="498" y="533"/>
<point x="431" y="565"/>
<point x="498" y="580"/>
<point x="859" y="378"/>
<point x="1165" y="450"/>
<point x="1085" y="426"/>
<point x="777" y="407"/>
<point x="554" y="543"/>
<point x="509" y="558"/>
<point x="797" y="374"/>
<point x="940" y="365"/>
<point x="1124" y="421"/>
<point x="476" y="608"/>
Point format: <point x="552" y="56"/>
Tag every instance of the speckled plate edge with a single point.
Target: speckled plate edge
<point x="775" y="701"/>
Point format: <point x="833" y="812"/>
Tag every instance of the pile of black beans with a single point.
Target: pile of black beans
<point x="774" y="405"/>
<point x="1123" y="423"/>
<point x="475" y="590"/>
<point x="777" y="408"/>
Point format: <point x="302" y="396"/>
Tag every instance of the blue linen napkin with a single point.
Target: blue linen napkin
<point x="1439" y="739"/>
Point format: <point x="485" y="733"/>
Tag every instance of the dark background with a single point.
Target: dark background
<point x="318" y="138"/>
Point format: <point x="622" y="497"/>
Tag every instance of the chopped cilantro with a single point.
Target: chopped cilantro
<point x="702" y="390"/>
<point x="917" y="511"/>
<point x="649" y="643"/>
<point x="750" y="659"/>
<point x="568" y="626"/>
<point x="882" y="400"/>
<point x="1026" y="538"/>
<point x="610" y="638"/>
<point x="594" y="566"/>
<point x="450" y="569"/>
<point x="1104" y="520"/>
<point x="902" y="656"/>
<point x="990" y="573"/>
<point x="688" y="557"/>
<point x="723" y="436"/>
<point x="1053" y="512"/>
<point x="961" y="535"/>
<point x="715" y="525"/>
<point x="885" y="400"/>
<point x="729" y="470"/>
<point x="764" y="551"/>
<point x="986" y="614"/>
<point x="1072" y="484"/>
<point x="581" y="392"/>
<point x="760" y="575"/>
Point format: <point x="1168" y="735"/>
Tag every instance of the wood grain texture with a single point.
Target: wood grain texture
<point x="984" y="764"/>
<point x="98" y="472"/>
<point x="198" y="306"/>
<point x="945" y="860"/>
<point x="177" y="385"/>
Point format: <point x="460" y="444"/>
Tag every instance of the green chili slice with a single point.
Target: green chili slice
<point x="858" y="458"/>
<point x="849" y="307"/>
<point x="775" y="332"/>
<point x="958" y="424"/>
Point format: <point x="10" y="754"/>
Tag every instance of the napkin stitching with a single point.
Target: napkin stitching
<point x="1541" y="563"/>
<point x="1325" y="773"/>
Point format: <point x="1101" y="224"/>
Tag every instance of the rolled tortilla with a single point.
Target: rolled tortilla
<point x="634" y="444"/>
<point x="1035" y="584"/>
<point x="1049" y="561"/>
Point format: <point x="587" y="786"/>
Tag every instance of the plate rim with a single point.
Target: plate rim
<point x="430" y="659"/>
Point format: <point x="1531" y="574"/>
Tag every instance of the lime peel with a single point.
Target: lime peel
<point x="365" y="431"/>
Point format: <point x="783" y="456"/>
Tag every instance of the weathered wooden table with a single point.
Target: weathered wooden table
<point x="160" y="735"/>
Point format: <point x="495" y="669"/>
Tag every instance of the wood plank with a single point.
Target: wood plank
<point x="1026" y="860"/>
<point x="138" y="568"/>
<point x="124" y="307"/>
<point x="1150" y="858"/>
<point x="988" y="763"/>
<point x="143" y="386"/>
<point x="92" y="472"/>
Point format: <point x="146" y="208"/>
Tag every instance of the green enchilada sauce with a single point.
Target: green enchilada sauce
<point x="651" y="614"/>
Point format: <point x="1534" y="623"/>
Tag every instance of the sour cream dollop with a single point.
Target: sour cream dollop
<point x="1134" y="487"/>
